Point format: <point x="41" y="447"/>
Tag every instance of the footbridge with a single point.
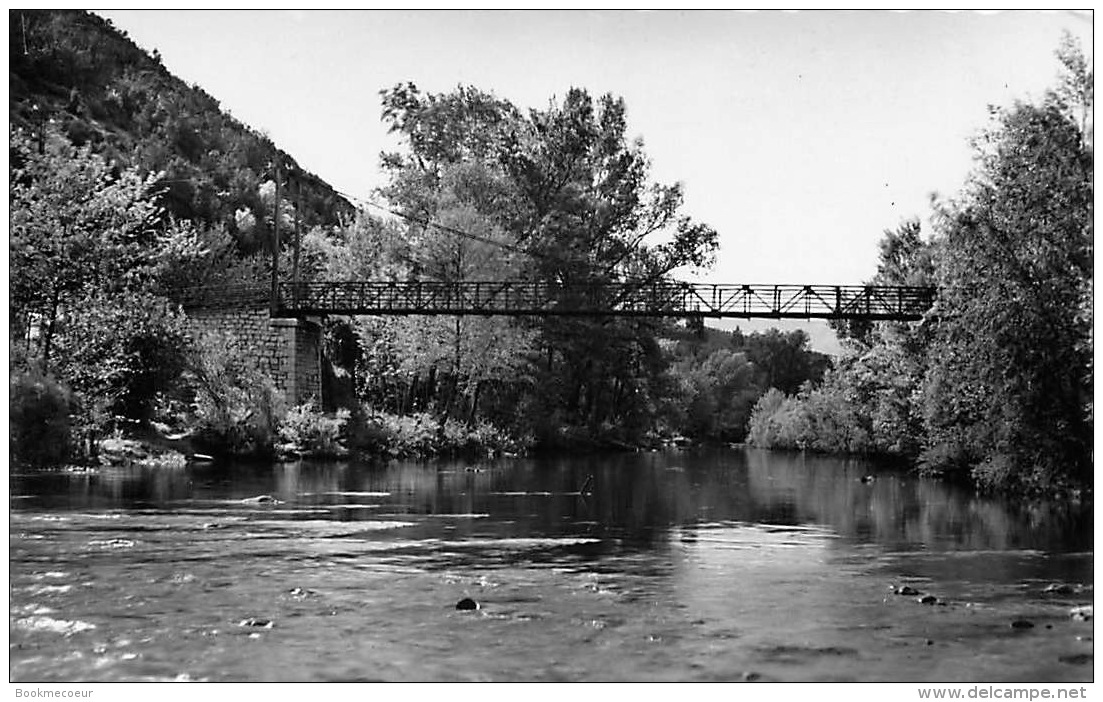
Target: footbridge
<point x="538" y="299"/>
<point x="279" y="326"/>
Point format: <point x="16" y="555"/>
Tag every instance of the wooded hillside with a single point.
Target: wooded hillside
<point x="73" y="72"/>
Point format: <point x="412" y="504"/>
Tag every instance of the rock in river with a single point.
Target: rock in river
<point x="1022" y="624"/>
<point x="1059" y="589"/>
<point x="467" y="604"/>
<point x="261" y="500"/>
<point x="257" y="622"/>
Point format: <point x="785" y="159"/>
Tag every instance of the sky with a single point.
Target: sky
<point x="799" y="136"/>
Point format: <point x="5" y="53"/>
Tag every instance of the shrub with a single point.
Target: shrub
<point x="119" y="352"/>
<point x="39" y="421"/>
<point x="311" y="431"/>
<point x="762" y="428"/>
<point x="816" y="419"/>
<point x="238" y="409"/>
<point x="422" y="434"/>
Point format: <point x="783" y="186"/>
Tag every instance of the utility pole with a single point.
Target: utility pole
<point x="298" y="243"/>
<point x="274" y="304"/>
<point x="40" y="122"/>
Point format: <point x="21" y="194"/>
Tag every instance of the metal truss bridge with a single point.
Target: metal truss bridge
<point x="629" y="299"/>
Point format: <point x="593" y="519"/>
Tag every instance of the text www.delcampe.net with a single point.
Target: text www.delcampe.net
<point x="994" y="692"/>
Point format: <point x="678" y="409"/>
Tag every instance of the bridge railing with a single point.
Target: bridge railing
<point x="663" y="298"/>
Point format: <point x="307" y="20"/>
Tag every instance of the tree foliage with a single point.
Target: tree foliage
<point x="719" y="376"/>
<point x="905" y="257"/>
<point x="91" y="255"/>
<point x="560" y="196"/>
<point x="995" y="386"/>
<point x="80" y="228"/>
<point x="866" y="404"/>
<point x="1008" y="395"/>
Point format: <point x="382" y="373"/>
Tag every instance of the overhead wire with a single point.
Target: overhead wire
<point x="443" y="227"/>
<point x="465" y="234"/>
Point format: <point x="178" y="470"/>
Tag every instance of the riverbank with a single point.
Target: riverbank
<point x="308" y="434"/>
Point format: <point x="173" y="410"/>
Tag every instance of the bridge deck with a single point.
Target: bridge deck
<point x="514" y="298"/>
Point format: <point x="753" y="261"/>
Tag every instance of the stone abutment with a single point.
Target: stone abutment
<point x="287" y="350"/>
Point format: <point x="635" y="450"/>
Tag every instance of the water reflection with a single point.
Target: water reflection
<point x="636" y="498"/>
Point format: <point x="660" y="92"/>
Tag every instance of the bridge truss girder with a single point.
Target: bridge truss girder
<point x="657" y="299"/>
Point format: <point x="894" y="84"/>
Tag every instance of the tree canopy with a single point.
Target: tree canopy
<point x="1008" y="395"/>
<point x="559" y="195"/>
<point x="995" y="385"/>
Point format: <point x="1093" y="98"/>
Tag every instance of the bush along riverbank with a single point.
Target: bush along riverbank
<point x="45" y="432"/>
<point x="304" y="431"/>
<point x="251" y="421"/>
<point x="216" y="407"/>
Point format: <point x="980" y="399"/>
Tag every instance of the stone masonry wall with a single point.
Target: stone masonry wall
<point x="286" y="350"/>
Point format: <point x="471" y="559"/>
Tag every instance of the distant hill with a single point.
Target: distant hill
<point x="74" y="72"/>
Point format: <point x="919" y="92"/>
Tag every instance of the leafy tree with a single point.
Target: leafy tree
<point x="78" y="227"/>
<point x="873" y="392"/>
<point x="92" y="255"/>
<point x="865" y="404"/>
<point x="905" y="258"/>
<point x="1008" y="394"/>
<point x="567" y="189"/>
<point x="721" y="392"/>
<point x="783" y="360"/>
<point x="120" y="352"/>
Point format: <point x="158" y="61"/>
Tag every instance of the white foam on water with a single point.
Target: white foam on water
<point x="519" y="543"/>
<point x="54" y="626"/>
<point x="45" y="589"/>
<point x="350" y="493"/>
<point x="112" y="543"/>
<point x="458" y="516"/>
<point x="50" y="574"/>
<point x="528" y="494"/>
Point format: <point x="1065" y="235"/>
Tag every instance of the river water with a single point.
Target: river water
<point x="695" y="565"/>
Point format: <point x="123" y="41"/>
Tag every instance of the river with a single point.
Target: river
<point x="693" y="565"/>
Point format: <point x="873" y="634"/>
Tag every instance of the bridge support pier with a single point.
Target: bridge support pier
<point x="298" y="367"/>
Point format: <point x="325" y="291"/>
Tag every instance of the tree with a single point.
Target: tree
<point x="91" y="256"/>
<point x="567" y="189"/>
<point x="120" y="352"/>
<point x="721" y="392"/>
<point x="783" y="360"/>
<point x="79" y="227"/>
<point x="1007" y="396"/>
<point x="905" y="258"/>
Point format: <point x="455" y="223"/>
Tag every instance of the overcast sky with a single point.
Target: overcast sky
<point x="800" y="137"/>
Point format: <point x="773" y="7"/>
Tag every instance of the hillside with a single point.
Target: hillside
<point x="74" y="72"/>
